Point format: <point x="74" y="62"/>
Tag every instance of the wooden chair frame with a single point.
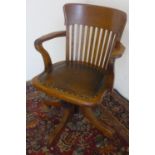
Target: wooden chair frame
<point x="115" y="23"/>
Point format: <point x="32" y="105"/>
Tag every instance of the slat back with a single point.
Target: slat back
<point x="92" y="32"/>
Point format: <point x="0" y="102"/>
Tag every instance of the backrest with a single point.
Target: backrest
<point x="92" y="32"/>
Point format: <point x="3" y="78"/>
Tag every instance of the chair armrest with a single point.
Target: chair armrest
<point x="118" y="50"/>
<point x="39" y="47"/>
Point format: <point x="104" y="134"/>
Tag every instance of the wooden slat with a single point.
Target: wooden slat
<point x="87" y="44"/>
<point x="107" y="50"/>
<point x="112" y="43"/>
<point x="72" y="43"/>
<point x="67" y="43"/>
<point x="104" y="48"/>
<point x="77" y="42"/>
<point x="82" y="41"/>
<point x="91" y="45"/>
<point x="96" y="46"/>
<point x="79" y="46"/>
<point x="100" y="48"/>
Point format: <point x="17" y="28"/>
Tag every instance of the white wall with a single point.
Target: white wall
<point x="44" y="16"/>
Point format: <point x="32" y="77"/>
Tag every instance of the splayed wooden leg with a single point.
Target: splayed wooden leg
<point x="104" y="128"/>
<point x="67" y="113"/>
<point x="113" y="122"/>
<point x="106" y="122"/>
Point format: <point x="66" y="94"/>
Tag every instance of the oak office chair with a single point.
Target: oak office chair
<point x="93" y="36"/>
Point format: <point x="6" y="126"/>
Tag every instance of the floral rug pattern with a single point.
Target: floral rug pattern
<point x="78" y="137"/>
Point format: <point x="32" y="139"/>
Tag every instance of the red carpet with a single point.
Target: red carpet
<point x="78" y="137"/>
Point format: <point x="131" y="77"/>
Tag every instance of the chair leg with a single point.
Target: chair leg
<point x="105" y="129"/>
<point x="52" y="136"/>
<point x="112" y="121"/>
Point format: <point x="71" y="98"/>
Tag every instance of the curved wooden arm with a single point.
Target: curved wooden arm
<point x="39" y="47"/>
<point x="118" y="50"/>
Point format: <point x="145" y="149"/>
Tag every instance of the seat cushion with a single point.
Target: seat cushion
<point x="74" y="79"/>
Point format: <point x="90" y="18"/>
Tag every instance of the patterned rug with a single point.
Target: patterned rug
<point x="78" y="137"/>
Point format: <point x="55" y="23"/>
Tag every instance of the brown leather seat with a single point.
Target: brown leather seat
<point x="81" y="81"/>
